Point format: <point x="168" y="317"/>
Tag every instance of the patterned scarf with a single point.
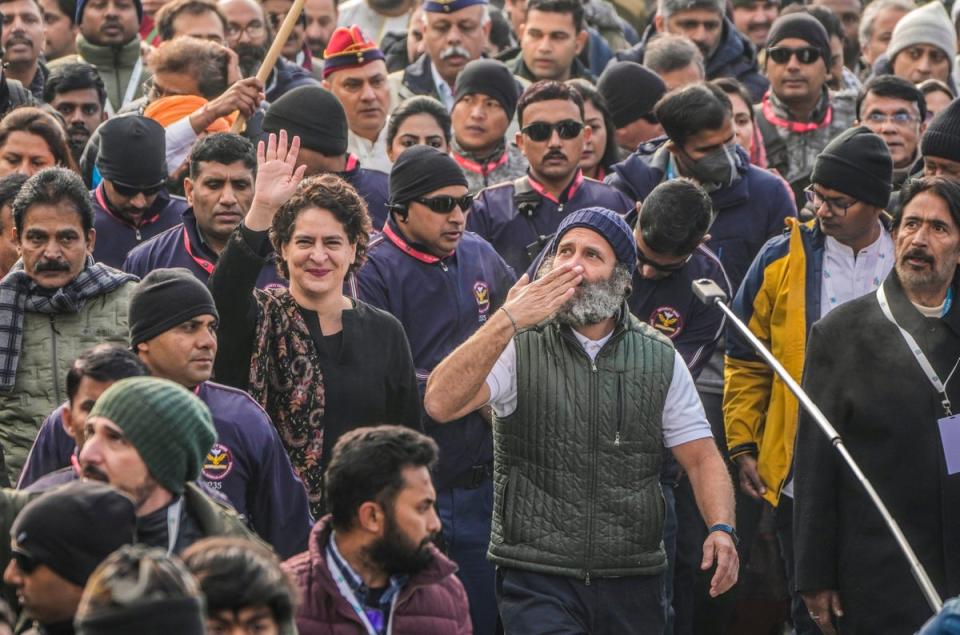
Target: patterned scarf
<point x="286" y="379"/>
<point x="19" y="294"/>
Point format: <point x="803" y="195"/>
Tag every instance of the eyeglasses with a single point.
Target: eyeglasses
<point x="254" y="30"/>
<point x="132" y="190"/>
<point x="805" y="54"/>
<point x="25" y="562"/>
<point x="836" y="207"/>
<point x="542" y="131"/>
<point x="276" y="19"/>
<point x="444" y="204"/>
<point x="898" y="118"/>
<point x="643" y="259"/>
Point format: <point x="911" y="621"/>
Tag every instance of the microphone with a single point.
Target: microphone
<point x="710" y="293"/>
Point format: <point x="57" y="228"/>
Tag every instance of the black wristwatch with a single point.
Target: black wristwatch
<point x="726" y="529"/>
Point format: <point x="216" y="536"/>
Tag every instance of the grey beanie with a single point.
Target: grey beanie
<point x="666" y="8"/>
<point x="928" y="24"/>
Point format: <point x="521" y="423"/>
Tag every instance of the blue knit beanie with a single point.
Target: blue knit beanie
<point x="608" y="224"/>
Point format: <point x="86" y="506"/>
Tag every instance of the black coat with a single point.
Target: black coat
<point x="869" y="385"/>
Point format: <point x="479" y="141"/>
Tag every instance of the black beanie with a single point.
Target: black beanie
<point x="493" y="79"/>
<point x="942" y="137"/>
<point x="630" y="90"/>
<point x="133" y="151"/>
<point x="313" y="114"/>
<point x="164" y="299"/>
<point x="802" y="26"/>
<point x="857" y="163"/>
<point x="420" y="170"/>
<point x="72" y="529"/>
<point x="82" y="4"/>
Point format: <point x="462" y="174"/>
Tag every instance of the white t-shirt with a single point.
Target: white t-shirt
<point x="683" y="417"/>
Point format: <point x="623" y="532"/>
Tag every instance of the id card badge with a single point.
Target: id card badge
<point x="950" y="438"/>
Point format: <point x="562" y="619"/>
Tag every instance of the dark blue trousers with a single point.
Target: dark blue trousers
<point x="541" y="604"/>
<point x="466" y="516"/>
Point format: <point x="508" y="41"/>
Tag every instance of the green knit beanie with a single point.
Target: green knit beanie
<point x="168" y="425"/>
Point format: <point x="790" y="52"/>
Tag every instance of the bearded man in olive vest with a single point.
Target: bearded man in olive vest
<point x="585" y="398"/>
<point x="54" y="303"/>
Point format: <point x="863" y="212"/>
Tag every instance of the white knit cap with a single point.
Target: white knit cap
<point x="929" y="24"/>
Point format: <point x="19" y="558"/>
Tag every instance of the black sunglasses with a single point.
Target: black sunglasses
<point x="131" y="191"/>
<point x="25" y="562"/>
<point x="444" y="204"/>
<point x="541" y="130"/>
<point x="644" y="260"/>
<point x="805" y="54"/>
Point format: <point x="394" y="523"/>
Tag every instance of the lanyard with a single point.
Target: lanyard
<point x="173" y="524"/>
<point x="939" y="386"/>
<point x="351" y="597"/>
<point x="793" y="126"/>
<point x="402" y="245"/>
<point x="131" y="87"/>
<point x="570" y="192"/>
<point x="203" y="263"/>
<point x="477" y="168"/>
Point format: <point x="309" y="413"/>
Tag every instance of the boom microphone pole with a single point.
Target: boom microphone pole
<point x="709" y="292"/>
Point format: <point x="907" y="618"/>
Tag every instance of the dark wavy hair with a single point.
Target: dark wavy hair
<point x="329" y="192"/>
<point x="44" y="125"/>
<point x="235" y="573"/>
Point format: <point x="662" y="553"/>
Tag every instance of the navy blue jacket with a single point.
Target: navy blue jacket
<point x="440" y="302"/>
<point x="373" y="187"/>
<point x="735" y="57"/>
<point x="669" y="306"/>
<point x="116" y="237"/>
<point x="517" y="237"/>
<point x="285" y="77"/>
<point x="248" y="464"/>
<point x="182" y="246"/>
<point x="747" y="213"/>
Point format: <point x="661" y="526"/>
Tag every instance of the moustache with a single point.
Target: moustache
<point x="51" y="265"/>
<point x="554" y="154"/>
<point x="95" y="474"/>
<point x="78" y="126"/>
<point x="19" y="39"/>
<point x="452" y="51"/>
<point x="918" y="254"/>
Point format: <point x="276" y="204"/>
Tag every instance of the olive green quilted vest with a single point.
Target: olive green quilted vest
<point x="577" y="465"/>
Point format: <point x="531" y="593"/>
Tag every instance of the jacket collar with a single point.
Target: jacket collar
<point x="418" y="77"/>
<point x="109" y="56"/>
<point x="577" y="69"/>
<point x="151" y="215"/>
<point x="435" y="572"/>
<point x="479" y="164"/>
<point x="568" y="192"/>
<point x="395" y="236"/>
<point x="907" y="315"/>
<point x="777" y="113"/>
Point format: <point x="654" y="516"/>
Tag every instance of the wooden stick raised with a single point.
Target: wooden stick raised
<point x="283" y="33"/>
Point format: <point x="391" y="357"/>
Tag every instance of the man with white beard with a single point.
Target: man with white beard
<point x="585" y="397"/>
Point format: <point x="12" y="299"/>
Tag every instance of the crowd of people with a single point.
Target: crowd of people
<point x="403" y="338"/>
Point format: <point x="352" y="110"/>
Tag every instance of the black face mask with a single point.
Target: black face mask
<point x="715" y="170"/>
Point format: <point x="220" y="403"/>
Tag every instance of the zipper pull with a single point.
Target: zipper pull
<point x="586" y="581"/>
<point x="593" y="365"/>
<point x="560" y="210"/>
<point x="137" y="232"/>
<point x="443" y="265"/>
<point x="616" y="439"/>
